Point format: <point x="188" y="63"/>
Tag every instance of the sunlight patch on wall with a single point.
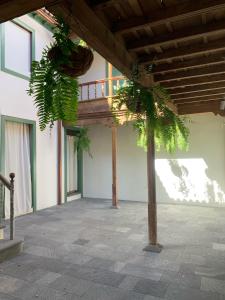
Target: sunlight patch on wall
<point x="187" y="180"/>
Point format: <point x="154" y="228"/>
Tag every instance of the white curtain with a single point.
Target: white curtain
<point x="71" y="164"/>
<point x="17" y="160"/>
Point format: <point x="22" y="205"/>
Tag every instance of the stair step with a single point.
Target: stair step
<point x="9" y="249"/>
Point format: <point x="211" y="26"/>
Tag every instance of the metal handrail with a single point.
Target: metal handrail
<point x="10" y="187"/>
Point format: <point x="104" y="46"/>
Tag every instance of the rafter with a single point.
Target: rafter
<point x="192" y="32"/>
<point x="201" y="100"/>
<point x="168" y="14"/>
<point x="10" y="9"/>
<point x="203" y="107"/>
<point x="191" y="63"/>
<point x="184" y="51"/>
<point x="195" y="81"/>
<point x="200" y="94"/>
<point x="196" y="88"/>
<point x="215" y="69"/>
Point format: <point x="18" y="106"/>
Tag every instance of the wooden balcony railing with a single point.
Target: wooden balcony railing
<point x="103" y="88"/>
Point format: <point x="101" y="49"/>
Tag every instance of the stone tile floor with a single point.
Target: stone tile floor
<point x="85" y="250"/>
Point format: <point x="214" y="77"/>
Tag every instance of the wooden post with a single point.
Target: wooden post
<point x="59" y="159"/>
<point x="114" y="173"/>
<point x="12" y="176"/>
<point x="152" y="206"/>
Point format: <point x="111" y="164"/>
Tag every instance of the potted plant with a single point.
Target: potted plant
<point x="53" y="82"/>
<point x="148" y="109"/>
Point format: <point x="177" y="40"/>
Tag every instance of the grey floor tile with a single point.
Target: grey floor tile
<point x="151" y="287"/>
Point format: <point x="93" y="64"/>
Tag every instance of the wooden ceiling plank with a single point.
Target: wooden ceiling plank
<point x="206" y="70"/>
<point x="167" y="14"/>
<point x="200" y="94"/>
<point x="195" y="81"/>
<point x="103" y="4"/>
<point x="191" y="32"/>
<point x="193" y="100"/>
<point x="196" y="88"/>
<point x="191" y="63"/>
<point x="184" y="51"/>
<point x="10" y="9"/>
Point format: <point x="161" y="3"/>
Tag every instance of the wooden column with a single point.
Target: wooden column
<point x="59" y="159"/>
<point x="114" y="169"/>
<point x="152" y="206"/>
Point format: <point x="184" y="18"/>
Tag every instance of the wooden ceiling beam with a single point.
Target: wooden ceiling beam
<point x="168" y="14"/>
<point x="208" y="70"/>
<point x="194" y="81"/>
<point x="191" y="63"/>
<point x="200" y="94"/>
<point x="192" y="32"/>
<point x="203" y="107"/>
<point x="196" y="88"/>
<point x="201" y="100"/>
<point x="184" y="51"/>
<point x="10" y="9"/>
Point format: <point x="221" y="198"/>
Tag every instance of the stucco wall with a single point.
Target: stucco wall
<point x="193" y="177"/>
<point x="15" y="102"/>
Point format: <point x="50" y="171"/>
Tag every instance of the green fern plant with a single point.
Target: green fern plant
<point x="148" y="109"/>
<point x="82" y="141"/>
<point x="55" y="94"/>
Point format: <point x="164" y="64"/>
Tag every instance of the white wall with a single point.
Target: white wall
<point x="193" y="177"/>
<point x="15" y="102"/>
<point x="97" y="71"/>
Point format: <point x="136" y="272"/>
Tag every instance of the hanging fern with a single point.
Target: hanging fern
<point x="55" y="94"/>
<point x="82" y="141"/>
<point x="147" y="107"/>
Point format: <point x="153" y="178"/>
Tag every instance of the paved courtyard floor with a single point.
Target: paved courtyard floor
<point x="85" y="250"/>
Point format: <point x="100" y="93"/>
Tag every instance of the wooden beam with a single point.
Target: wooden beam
<point x="184" y="51"/>
<point x="212" y="59"/>
<point x="153" y="245"/>
<point x="220" y="91"/>
<point x="196" y="88"/>
<point x="114" y="168"/>
<point x="103" y="4"/>
<point x="194" y="81"/>
<point x="193" y="108"/>
<point x="199" y="99"/>
<point x="189" y="33"/>
<point x="10" y="9"/>
<point x="59" y="159"/>
<point x="206" y="70"/>
<point x="168" y="14"/>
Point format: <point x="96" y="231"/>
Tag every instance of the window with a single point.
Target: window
<point x="17" y="48"/>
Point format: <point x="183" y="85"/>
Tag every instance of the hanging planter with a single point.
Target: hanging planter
<point x="147" y="107"/>
<point x="80" y="60"/>
<point x="53" y="82"/>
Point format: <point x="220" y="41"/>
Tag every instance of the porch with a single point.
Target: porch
<point x="84" y="250"/>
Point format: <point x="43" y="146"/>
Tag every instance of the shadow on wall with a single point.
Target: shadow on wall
<point x="189" y="180"/>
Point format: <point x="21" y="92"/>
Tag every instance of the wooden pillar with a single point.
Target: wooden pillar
<point x="114" y="169"/>
<point x="59" y="159"/>
<point x="152" y="206"/>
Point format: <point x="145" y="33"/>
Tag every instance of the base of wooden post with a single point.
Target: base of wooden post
<point x="115" y="207"/>
<point x="153" y="248"/>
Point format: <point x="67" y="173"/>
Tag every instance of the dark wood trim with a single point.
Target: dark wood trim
<point x="220" y="91"/>
<point x="199" y="99"/>
<point x="197" y="88"/>
<point x="202" y="107"/>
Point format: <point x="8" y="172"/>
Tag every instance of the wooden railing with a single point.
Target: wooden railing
<point x="10" y="186"/>
<point x="100" y="88"/>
